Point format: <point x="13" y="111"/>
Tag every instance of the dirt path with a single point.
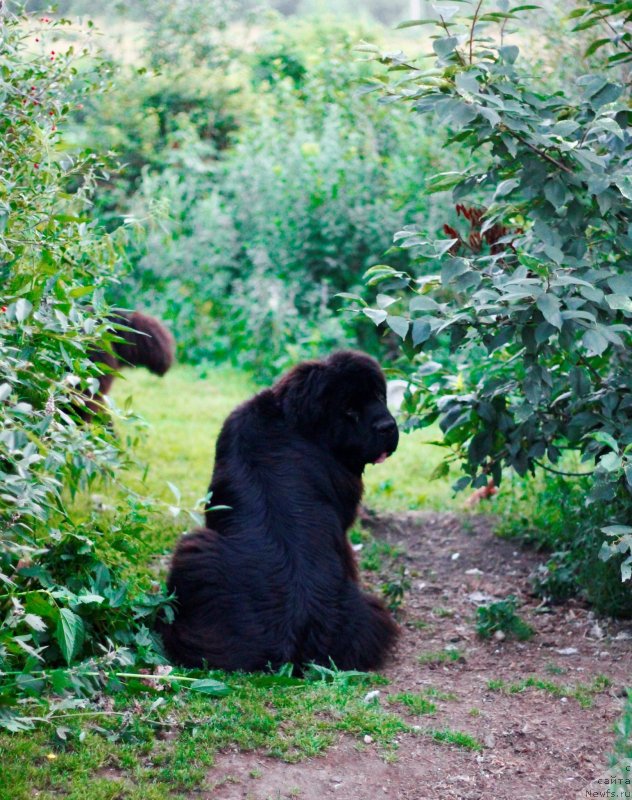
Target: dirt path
<point x="536" y="743"/>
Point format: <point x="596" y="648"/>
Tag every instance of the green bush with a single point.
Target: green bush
<point x="249" y="232"/>
<point x="523" y="333"/>
<point x="501" y="617"/>
<point x="151" y="121"/>
<point x="549" y="512"/>
<point x="247" y="263"/>
<point x="248" y="266"/>
<point x="62" y="594"/>
<point x="55" y="267"/>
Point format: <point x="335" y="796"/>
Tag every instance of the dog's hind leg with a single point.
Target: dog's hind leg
<point x="366" y="634"/>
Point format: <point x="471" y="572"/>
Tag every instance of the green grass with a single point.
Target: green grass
<point x="457" y="738"/>
<point x="582" y="693"/>
<point x="435" y="657"/>
<point x="416" y="703"/>
<point x="149" y="745"/>
<point x="185" y="410"/>
<point x="437" y="694"/>
<point x="162" y="744"/>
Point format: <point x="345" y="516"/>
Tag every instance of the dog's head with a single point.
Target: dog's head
<point x="340" y="403"/>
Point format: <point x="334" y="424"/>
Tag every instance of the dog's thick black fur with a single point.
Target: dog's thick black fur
<point x="145" y="342"/>
<point x="272" y="579"/>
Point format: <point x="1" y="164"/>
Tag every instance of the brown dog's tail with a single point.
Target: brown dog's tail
<point x="148" y="344"/>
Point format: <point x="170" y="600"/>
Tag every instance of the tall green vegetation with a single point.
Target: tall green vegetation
<point x="264" y="183"/>
<point x="518" y="320"/>
<point x="62" y="597"/>
<point x="55" y="268"/>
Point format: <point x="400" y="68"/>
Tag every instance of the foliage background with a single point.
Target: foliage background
<point x="229" y="171"/>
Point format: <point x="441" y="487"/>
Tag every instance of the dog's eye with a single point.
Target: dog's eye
<point x="352" y="414"/>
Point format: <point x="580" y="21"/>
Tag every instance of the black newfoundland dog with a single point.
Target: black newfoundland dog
<point x="272" y="579"/>
<point x="142" y="341"/>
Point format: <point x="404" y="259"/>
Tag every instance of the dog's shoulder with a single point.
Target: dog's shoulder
<point x="252" y="423"/>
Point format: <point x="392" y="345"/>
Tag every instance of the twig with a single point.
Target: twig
<point x="502" y="31"/>
<point x="541" y="153"/>
<point x="447" y="30"/>
<point x="560" y="472"/>
<point x="474" y="21"/>
<point x="604" y="19"/>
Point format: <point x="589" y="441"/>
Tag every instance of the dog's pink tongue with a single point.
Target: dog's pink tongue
<point x="383" y="457"/>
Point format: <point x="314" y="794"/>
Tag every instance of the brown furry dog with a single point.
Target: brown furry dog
<point x="147" y="344"/>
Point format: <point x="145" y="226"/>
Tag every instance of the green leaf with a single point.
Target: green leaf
<point x="69" y="634"/>
<point x="594" y="46"/>
<point x="556" y="193"/>
<point x="384" y="301"/>
<point x="611" y="462"/>
<point x="421" y="331"/>
<point x="35" y="622"/>
<point x="440" y="471"/>
<point x="443" y="47"/>
<point x="619" y="302"/>
<point x="549" y="305"/>
<point x="608" y="94"/>
<point x="624" y="184"/>
<point x="506" y="187"/>
<point x="452" y="268"/>
<point x="398" y="324"/>
<point x="443" y="180"/>
<point x="210" y="686"/>
<point x="411" y="23"/>
<point x="81" y="291"/>
<point x="621" y="284"/>
<point x="376" y="315"/>
<point x="617" y="530"/>
<point x="604" y="438"/>
<point x="594" y="343"/>
<point x="422" y="302"/>
<point x="510" y="52"/>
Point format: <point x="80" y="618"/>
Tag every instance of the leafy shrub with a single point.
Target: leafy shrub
<point x="612" y="21"/>
<point x="247" y="263"/>
<point x="528" y="320"/>
<point x="178" y="105"/>
<point x="68" y="598"/>
<point x="246" y="245"/>
<point x="186" y="32"/>
<point x="549" y="513"/>
<point x="501" y="616"/>
<point x="154" y="121"/>
<point x="62" y="595"/>
<point x="54" y="262"/>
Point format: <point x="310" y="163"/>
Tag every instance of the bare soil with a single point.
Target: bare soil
<point x="535" y="744"/>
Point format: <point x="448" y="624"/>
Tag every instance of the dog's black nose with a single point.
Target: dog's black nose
<point x="384" y="426"/>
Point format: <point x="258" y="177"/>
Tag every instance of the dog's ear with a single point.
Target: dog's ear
<point x="301" y="394"/>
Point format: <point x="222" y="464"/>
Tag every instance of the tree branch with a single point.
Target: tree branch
<point x="474" y="21"/>
<point x="560" y="472"/>
<point x="541" y="153"/>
